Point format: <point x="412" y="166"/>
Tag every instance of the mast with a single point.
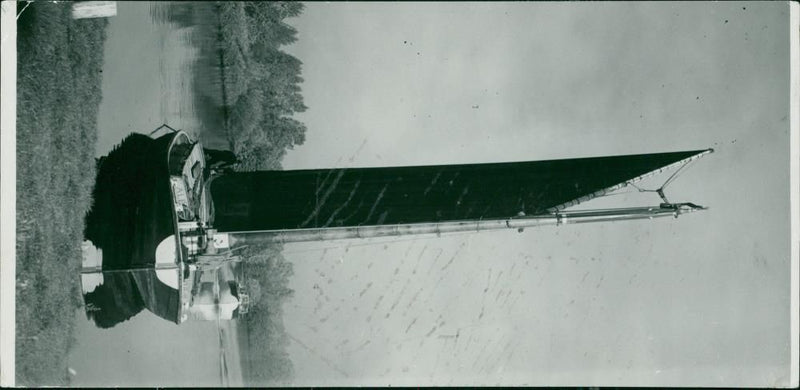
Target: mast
<point x="141" y="267"/>
<point x="234" y="239"/>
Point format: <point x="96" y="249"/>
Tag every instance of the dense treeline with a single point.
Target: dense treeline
<point x="267" y="276"/>
<point x="261" y="86"/>
<point x="256" y="87"/>
<point x="264" y="81"/>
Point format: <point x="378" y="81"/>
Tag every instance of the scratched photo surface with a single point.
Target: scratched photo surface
<point x="425" y="96"/>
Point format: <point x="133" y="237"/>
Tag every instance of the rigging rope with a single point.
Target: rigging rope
<point x="660" y="190"/>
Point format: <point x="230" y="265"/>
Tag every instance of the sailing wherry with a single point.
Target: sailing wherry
<point x="169" y="217"/>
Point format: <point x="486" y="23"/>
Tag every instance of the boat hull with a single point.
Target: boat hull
<point x="132" y="213"/>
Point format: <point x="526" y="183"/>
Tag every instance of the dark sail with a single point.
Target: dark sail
<point x="272" y="200"/>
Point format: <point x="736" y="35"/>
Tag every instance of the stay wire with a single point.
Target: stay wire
<point x="666" y="182"/>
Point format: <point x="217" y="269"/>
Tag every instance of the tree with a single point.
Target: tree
<point x="259" y="157"/>
<point x="281" y="81"/>
<point x="286" y="132"/>
<point x="246" y="113"/>
<point x="287" y="9"/>
<point x="277" y="61"/>
<point x="273" y="10"/>
<point x="265" y="22"/>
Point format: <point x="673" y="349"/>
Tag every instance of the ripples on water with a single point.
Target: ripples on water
<point x="189" y="72"/>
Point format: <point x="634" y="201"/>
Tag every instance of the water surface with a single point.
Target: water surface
<point x="148" y="81"/>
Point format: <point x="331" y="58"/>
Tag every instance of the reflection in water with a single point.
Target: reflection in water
<point x="129" y="217"/>
<point x="195" y="25"/>
<point x="114" y="301"/>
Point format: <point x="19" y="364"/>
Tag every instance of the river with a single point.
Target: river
<point x="147" y="81"/>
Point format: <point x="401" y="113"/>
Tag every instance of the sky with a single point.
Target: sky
<point x="701" y="300"/>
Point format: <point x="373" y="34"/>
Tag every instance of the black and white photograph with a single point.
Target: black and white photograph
<point x="315" y="194"/>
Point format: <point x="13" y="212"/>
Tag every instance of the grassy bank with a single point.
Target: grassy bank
<point x="59" y="75"/>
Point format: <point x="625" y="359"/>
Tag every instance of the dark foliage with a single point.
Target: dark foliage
<point x="260" y="135"/>
<point x="267" y="275"/>
<point x="258" y="88"/>
<point x="115" y="301"/>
